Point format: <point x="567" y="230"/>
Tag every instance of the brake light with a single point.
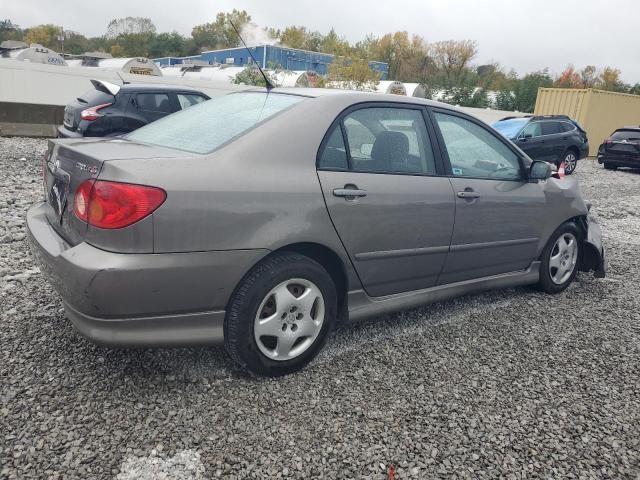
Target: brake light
<point x="111" y="205"/>
<point x="608" y="141"/>
<point x="92" y="113"/>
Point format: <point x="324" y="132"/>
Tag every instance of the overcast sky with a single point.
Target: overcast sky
<point x="526" y="35"/>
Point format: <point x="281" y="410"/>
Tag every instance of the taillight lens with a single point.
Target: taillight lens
<point x="112" y="205"/>
<point x="608" y="141"/>
<point x="92" y="113"/>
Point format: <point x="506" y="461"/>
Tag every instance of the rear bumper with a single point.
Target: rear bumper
<point x="64" y="132"/>
<point x="139" y="299"/>
<point x="620" y="160"/>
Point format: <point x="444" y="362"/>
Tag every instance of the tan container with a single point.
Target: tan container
<point x="598" y="111"/>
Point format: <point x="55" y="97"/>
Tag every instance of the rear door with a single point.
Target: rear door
<point x="388" y="202"/>
<point x="498" y="220"/>
<point x="147" y="107"/>
<point x="555" y="140"/>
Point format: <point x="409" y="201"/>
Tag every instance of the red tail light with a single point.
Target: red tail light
<point x="92" y="113"/>
<point x="608" y="141"/>
<point x="112" y="205"/>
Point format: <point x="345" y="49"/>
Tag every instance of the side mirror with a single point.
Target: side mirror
<point x="539" y="170"/>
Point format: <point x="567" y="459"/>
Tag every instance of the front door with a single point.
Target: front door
<point x="391" y="208"/>
<point x="498" y="222"/>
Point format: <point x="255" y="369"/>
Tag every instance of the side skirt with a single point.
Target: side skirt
<point x="363" y="306"/>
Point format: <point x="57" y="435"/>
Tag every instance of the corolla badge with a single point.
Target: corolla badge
<point x="86" y="168"/>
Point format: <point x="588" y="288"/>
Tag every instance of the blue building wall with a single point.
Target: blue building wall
<point x="269" y="56"/>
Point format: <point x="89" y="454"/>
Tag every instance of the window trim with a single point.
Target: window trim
<point x="520" y="134"/>
<point x="339" y="121"/>
<point x="445" y="154"/>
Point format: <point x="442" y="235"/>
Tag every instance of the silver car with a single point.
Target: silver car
<point x="262" y="219"/>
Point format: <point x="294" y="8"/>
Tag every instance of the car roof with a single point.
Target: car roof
<point x="130" y="87"/>
<point x="629" y="129"/>
<point x="354" y="96"/>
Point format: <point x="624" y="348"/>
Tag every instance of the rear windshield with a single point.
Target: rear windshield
<point x="510" y="128"/>
<point x="629" y="135"/>
<point x="95" y="97"/>
<point x="208" y="125"/>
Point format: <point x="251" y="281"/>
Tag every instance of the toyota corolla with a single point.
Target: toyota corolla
<point x="261" y="219"/>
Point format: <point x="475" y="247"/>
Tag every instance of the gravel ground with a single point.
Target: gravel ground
<point x="509" y="384"/>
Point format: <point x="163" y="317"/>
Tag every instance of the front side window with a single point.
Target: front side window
<point x="208" y="125"/>
<point x="389" y="140"/>
<point x="532" y="130"/>
<point x="154" y="102"/>
<point x="475" y="152"/>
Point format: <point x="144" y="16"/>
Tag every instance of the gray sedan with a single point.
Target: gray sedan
<point x="262" y="219"/>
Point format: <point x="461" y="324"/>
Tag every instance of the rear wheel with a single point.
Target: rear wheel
<point x="281" y="314"/>
<point x="570" y="162"/>
<point x="608" y="166"/>
<point x="560" y="259"/>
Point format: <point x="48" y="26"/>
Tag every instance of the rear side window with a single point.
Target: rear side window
<point x="208" y="125"/>
<point x="475" y="152"/>
<point x="389" y="140"/>
<point x="567" y="127"/>
<point x="187" y="100"/>
<point x="550" y="128"/>
<point x="334" y="154"/>
<point x="154" y="102"/>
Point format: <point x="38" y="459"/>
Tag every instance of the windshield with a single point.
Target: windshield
<point x="510" y="128"/>
<point x="208" y="125"/>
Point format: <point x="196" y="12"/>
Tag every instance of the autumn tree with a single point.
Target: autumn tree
<point x="45" y="35"/>
<point x="352" y="74"/>
<point x="589" y="76"/>
<point x="610" y="80"/>
<point x="220" y="33"/>
<point x="569" y="78"/>
<point x="452" y="58"/>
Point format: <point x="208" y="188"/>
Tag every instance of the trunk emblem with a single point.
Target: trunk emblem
<point x="86" y="168"/>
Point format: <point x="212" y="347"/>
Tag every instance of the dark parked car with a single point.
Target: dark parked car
<point x="621" y="149"/>
<point x="552" y="138"/>
<point x="110" y="110"/>
<point x="262" y="219"/>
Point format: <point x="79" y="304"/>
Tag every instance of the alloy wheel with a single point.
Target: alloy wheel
<point x="289" y="319"/>
<point x="564" y="256"/>
<point x="570" y="161"/>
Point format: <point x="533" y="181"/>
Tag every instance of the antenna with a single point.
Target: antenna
<point x="267" y="82"/>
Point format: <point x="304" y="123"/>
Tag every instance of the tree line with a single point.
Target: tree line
<point x="447" y="68"/>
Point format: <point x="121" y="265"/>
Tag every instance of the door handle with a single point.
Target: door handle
<point x="349" y="192"/>
<point x="468" y="194"/>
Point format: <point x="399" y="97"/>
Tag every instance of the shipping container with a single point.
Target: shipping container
<point x="598" y="111"/>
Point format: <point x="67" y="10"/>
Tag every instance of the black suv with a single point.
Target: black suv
<point x="553" y="138"/>
<point x="111" y="110"/>
<point x="621" y="149"/>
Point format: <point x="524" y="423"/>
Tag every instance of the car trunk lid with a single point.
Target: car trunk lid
<point x="68" y="163"/>
<point x="102" y="93"/>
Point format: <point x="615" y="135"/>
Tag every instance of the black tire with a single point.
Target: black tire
<point x="608" y="166"/>
<point x="570" y="160"/>
<point x="239" y="340"/>
<point x="546" y="283"/>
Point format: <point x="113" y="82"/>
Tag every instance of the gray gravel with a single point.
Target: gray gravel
<point x="510" y="384"/>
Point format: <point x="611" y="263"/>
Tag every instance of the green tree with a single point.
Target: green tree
<point x="167" y="45"/>
<point x="220" y="33"/>
<point x="526" y="90"/>
<point x="252" y="76"/>
<point x="9" y="31"/>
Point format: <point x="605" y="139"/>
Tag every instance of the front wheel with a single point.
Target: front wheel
<point x="280" y="316"/>
<point x="570" y="162"/>
<point x="560" y="258"/>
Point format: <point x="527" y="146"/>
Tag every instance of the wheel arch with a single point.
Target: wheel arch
<point x="331" y="262"/>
